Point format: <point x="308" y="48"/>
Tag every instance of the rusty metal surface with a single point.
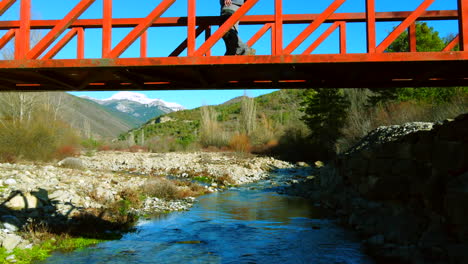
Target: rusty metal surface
<point x="34" y="68"/>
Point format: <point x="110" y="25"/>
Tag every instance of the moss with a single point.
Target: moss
<point x="203" y="179"/>
<point x="45" y="249"/>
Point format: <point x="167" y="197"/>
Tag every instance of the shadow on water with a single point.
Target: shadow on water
<point x="35" y="210"/>
<point x="250" y="224"/>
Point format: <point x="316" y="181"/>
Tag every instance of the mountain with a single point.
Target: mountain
<point x="277" y="110"/>
<point x="137" y="107"/>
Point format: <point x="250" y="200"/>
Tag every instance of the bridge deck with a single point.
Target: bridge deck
<point x="286" y="71"/>
<point x="34" y="67"/>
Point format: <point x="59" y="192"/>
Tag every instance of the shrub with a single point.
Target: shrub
<point x="91" y="143"/>
<point x="67" y="151"/>
<point x="211" y="133"/>
<point x="161" y="188"/>
<point x="39" y="138"/>
<point x="240" y="143"/>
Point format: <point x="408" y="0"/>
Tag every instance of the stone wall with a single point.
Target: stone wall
<point x="419" y="181"/>
<point x="405" y="189"/>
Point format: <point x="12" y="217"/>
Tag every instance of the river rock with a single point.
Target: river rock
<point x="458" y="253"/>
<point x="455" y="203"/>
<point x="11" y="259"/>
<point x="23" y="201"/>
<point x="10" y="182"/>
<point x="72" y="163"/>
<point x="11" y="241"/>
<point x="376" y="240"/>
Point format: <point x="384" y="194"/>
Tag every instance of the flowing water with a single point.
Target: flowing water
<point x="250" y="224"/>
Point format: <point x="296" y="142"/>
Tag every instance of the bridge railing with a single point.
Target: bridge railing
<point x="61" y="32"/>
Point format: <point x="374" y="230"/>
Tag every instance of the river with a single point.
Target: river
<point x="249" y="224"/>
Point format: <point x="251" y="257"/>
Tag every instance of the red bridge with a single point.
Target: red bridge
<point x="33" y="66"/>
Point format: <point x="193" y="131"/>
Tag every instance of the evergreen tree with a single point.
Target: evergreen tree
<point x="325" y="115"/>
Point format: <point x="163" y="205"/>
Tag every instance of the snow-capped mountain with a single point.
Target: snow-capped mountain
<point x="143" y="99"/>
<point x="137" y="105"/>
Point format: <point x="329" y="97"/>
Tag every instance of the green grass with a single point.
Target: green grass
<point x="203" y="179"/>
<point x="45" y="249"/>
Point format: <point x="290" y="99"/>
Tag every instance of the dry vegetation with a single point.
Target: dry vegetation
<point x="32" y="130"/>
<point x="361" y="119"/>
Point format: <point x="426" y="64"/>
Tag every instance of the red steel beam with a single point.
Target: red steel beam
<point x="5" y="4"/>
<point x="22" y="39"/>
<point x="142" y="27"/>
<point x="144" y="45"/>
<point x="273" y="43"/>
<point x="235" y="60"/>
<point x="342" y="37"/>
<point x="191" y="27"/>
<point x="64" y="41"/>
<point x="278" y="30"/>
<point x="107" y="28"/>
<point x="313" y="26"/>
<point x="42" y="45"/>
<point x="246" y="20"/>
<point x="403" y="26"/>
<point x="412" y="38"/>
<point x="371" y="29"/>
<point x="322" y="37"/>
<point x="259" y="34"/>
<point x="7" y="37"/>
<point x="463" y="24"/>
<point x="80" y="43"/>
<point x="452" y="44"/>
<point x="225" y="28"/>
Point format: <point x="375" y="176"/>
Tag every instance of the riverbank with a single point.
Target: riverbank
<point x="105" y="193"/>
<point x="404" y="189"/>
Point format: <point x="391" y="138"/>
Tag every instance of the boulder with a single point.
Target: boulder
<point x="72" y="163"/>
<point x="11" y="241"/>
<point x="24" y="201"/>
<point x="458" y="253"/>
<point x="456" y="201"/>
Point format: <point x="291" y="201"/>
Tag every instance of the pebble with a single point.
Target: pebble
<point x="11" y="258"/>
<point x="10" y="182"/>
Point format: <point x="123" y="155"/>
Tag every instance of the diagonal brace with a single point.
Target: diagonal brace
<point x="59" y="29"/>
<point x="455" y="41"/>
<point x="7" y="37"/>
<point x="209" y="43"/>
<point x="324" y="36"/>
<point x="142" y="27"/>
<point x="64" y="41"/>
<point x="259" y="34"/>
<point x="313" y="26"/>
<point x="403" y="26"/>
<point x="5" y="4"/>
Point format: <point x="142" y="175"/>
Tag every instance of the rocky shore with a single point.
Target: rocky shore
<point x="404" y="189"/>
<point x="74" y="190"/>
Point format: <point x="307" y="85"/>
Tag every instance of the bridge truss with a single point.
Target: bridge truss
<point x="34" y="67"/>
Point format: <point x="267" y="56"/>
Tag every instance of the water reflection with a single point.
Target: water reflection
<point x="237" y="226"/>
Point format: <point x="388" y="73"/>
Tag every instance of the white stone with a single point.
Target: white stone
<point x="10" y="182"/>
<point x="11" y="241"/>
<point x="11" y="259"/>
<point x="23" y="201"/>
<point x="10" y="227"/>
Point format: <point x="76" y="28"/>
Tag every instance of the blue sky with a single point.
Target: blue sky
<point x="189" y="99"/>
<point x="161" y="41"/>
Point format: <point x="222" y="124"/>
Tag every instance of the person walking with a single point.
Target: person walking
<point x="234" y="45"/>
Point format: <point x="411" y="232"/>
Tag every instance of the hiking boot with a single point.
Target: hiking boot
<point x="250" y="51"/>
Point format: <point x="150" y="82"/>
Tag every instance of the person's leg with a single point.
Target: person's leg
<point x="234" y="45"/>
